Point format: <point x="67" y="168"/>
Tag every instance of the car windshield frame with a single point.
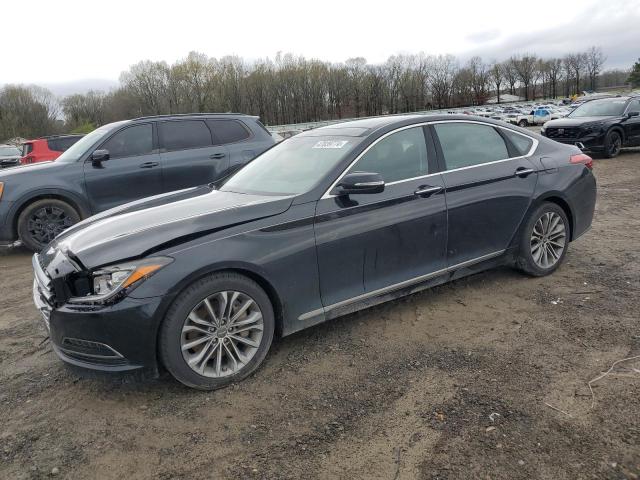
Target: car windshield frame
<point x="590" y="108"/>
<point x="268" y="167"/>
<point x="76" y="151"/>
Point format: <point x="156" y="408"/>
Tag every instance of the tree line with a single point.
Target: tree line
<point x="294" y="89"/>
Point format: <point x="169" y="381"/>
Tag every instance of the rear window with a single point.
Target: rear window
<point x="184" y="135"/>
<point x="228" y="131"/>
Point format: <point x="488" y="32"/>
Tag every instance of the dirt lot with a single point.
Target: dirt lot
<point x="463" y="381"/>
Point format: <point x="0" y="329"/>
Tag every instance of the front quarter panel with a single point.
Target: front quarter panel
<point x="278" y="252"/>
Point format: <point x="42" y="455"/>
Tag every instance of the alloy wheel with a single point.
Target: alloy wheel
<point x="47" y="222"/>
<point x="615" y="146"/>
<point x="222" y="334"/>
<point x="548" y="240"/>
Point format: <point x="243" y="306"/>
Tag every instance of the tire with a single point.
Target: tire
<point x="523" y="123"/>
<point x="538" y="252"/>
<point x="41" y="221"/>
<point x="612" y="144"/>
<point x="219" y="359"/>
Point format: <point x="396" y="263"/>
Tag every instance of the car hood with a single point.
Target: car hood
<point x="134" y="229"/>
<point x="575" y="121"/>
<point x="30" y="169"/>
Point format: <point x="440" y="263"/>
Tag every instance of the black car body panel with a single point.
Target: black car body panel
<point x="590" y="132"/>
<point x="91" y="187"/>
<point x="316" y="255"/>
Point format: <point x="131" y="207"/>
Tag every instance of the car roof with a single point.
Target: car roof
<point x="367" y="126"/>
<point x="183" y="116"/>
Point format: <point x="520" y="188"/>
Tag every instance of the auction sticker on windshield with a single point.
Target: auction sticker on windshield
<point x="330" y="144"/>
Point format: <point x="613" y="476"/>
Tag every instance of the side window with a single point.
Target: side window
<point x="184" y="134"/>
<point x="399" y="156"/>
<point x="522" y="143"/>
<point x="634" y="106"/>
<point x="467" y="144"/>
<point x="54" y="145"/>
<point x="228" y="131"/>
<point x="132" y="141"/>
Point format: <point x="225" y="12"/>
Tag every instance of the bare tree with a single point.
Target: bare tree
<point x="525" y="67"/>
<point x="594" y="61"/>
<point x="497" y="75"/>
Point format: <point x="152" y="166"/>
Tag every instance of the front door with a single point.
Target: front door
<point x="369" y="242"/>
<point x="133" y="170"/>
<point x="489" y="184"/>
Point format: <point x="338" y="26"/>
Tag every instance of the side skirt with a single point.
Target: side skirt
<point x="401" y="290"/>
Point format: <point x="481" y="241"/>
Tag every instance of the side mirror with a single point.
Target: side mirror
<point x="358" y="183"/>
<point x="632" y="114"/>
<point x="99" y="156"/>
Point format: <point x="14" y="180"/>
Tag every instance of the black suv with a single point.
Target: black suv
<point x="122" y="162"/>
<point x="605" y="125"/>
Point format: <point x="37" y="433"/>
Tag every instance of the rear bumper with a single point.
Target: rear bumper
<point x="582" y="198"/>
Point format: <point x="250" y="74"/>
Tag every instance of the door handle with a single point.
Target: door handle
<point x="523" y="172"/>
<point x="427" y="190"/>
<point x="215" y="156"/>
<point x="149" y="164"/>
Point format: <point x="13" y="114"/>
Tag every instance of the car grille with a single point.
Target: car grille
<point x="567" y="132"/>
<point x="43" y="295"/>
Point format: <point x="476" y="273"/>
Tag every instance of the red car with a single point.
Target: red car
<point x="44" y="149"/>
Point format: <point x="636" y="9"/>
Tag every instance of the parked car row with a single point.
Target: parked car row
<point x="330" y="221"/>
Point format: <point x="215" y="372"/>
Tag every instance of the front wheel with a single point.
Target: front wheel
<point x="612" y="144"/>
<point x="544" y="240"/>
<point x="217" y="332"/>
<point x="40" y="222"/>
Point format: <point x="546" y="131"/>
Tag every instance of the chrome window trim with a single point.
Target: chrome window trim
<point x="534" y="146"/>
<point x="397" y="286"/>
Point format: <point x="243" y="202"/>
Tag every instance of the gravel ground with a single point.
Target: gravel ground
<point x="485" y="378"/>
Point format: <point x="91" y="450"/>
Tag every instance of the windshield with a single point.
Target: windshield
<point x="9" y="151"/>
<point x="600" y="108"/>
<point x="292" y="167"/>
<point x="78" y="149"/>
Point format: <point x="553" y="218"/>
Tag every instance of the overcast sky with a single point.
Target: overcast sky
<point x="50" y="43"/>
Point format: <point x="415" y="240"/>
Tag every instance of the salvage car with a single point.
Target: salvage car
<point x="121" y="162"/>
<point x="331" y="221"/>
<point x="605" y="125"/>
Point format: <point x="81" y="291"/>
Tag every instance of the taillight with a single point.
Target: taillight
<point x="582" y="158"/>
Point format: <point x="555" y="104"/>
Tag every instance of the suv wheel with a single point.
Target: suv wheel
<point x="544" y="240"/>
<point x="40" y="222"/>
<point x="217" y="332"/>
<point x="612" y="144"/>
<point x="523" y="123"/>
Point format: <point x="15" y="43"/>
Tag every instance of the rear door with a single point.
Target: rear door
<point x="238" y="139"/>
<point x="369" y="242"/>
<point x="132" y="171"/>
<point x="489" y="182"/>
<point x="189" y="156"/>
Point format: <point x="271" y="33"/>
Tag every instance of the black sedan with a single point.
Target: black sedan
<point x="328" y="222"/>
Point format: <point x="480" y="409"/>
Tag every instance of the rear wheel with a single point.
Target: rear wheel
<point x="544" y="240"/>
<point x="40" y="222"/>
<point x="612" y="144"/>
<point x="217" y="332"/>
<point x="523" y="123"/>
